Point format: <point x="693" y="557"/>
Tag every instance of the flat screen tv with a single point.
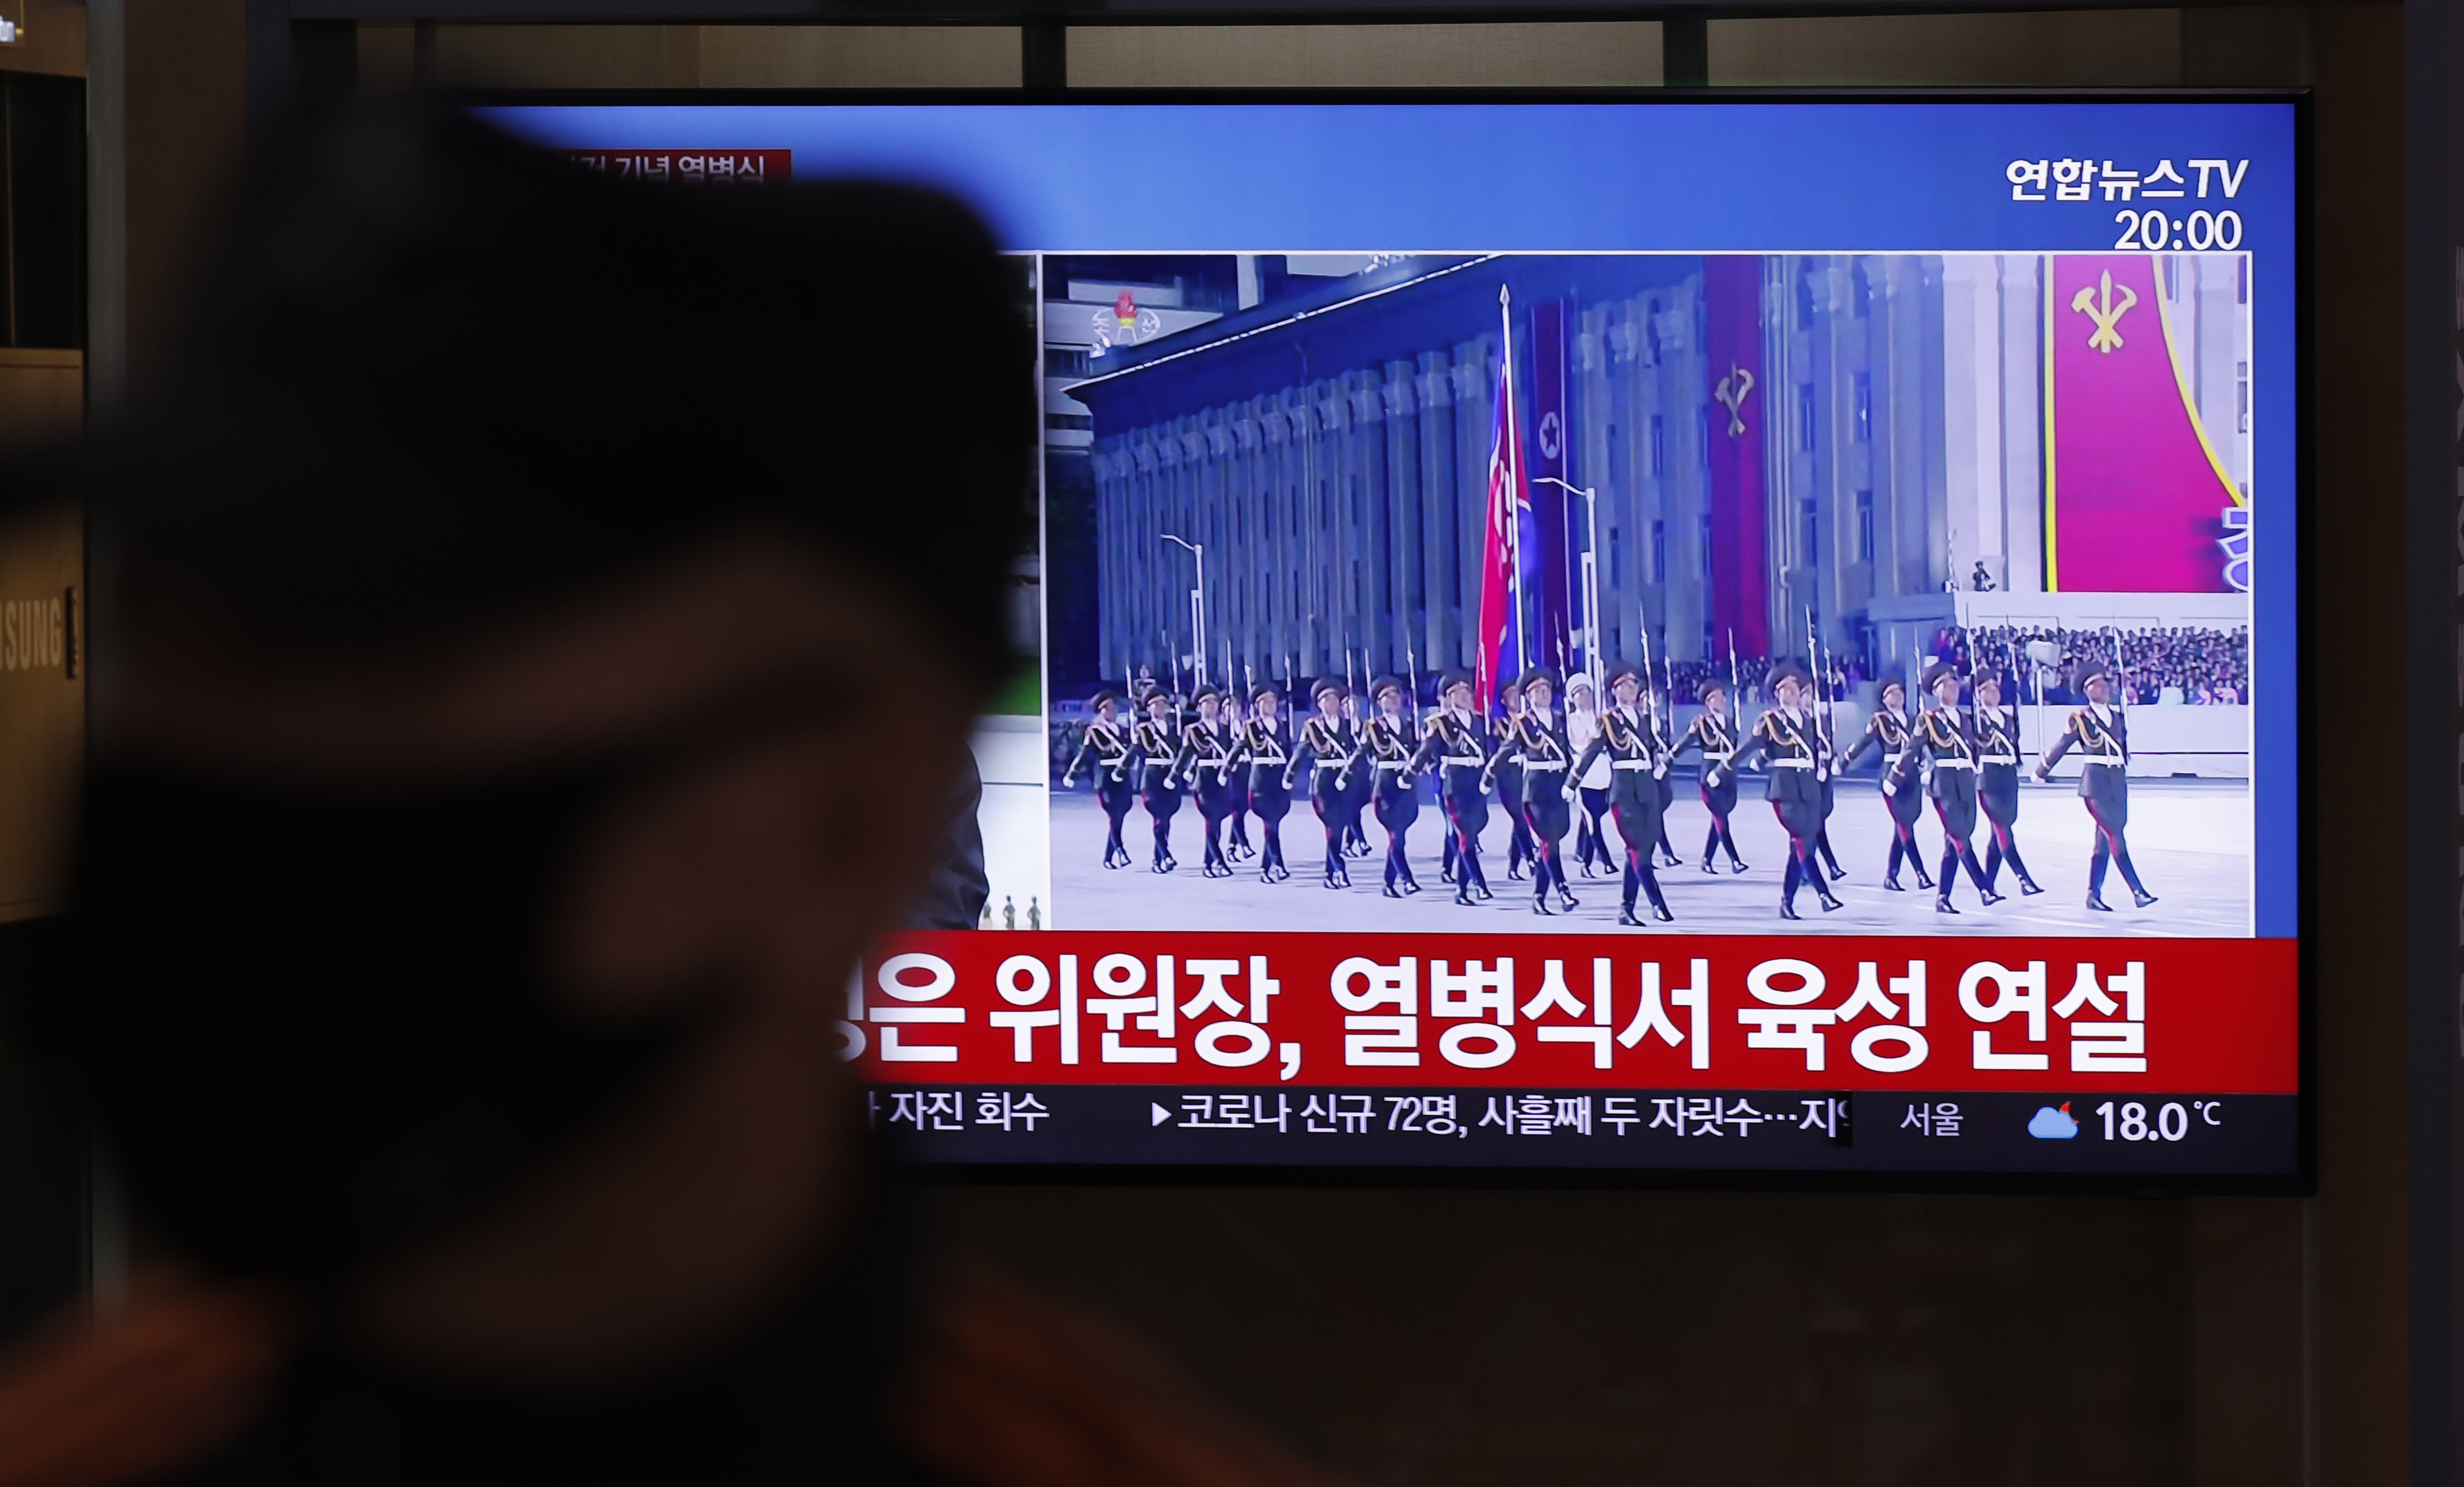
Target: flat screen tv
<point x="1615" y="634"/>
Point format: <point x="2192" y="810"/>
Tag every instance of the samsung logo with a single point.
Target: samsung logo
<point x="33" y="634"/>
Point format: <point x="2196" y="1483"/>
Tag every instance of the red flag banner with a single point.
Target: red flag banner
<point x="2135" y="498"/>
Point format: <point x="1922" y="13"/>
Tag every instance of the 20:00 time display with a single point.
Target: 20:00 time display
<point x="2152" y="232"/>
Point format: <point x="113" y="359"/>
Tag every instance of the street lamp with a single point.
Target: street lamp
<point x="1197" y="603"/>
<point x="1591" y="577"/>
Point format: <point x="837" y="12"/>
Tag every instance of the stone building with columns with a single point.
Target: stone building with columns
<point x="1848" y="435"/>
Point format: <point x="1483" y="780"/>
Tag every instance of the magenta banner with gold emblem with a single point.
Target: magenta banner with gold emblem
<point x="2135" y="498"/>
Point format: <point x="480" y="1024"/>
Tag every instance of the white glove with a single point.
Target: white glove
<point x="1890" y="787"/>
<point x="1711" y="779"/>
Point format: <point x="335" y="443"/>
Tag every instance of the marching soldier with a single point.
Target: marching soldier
<point x="1508" y="780"/>
<point x="1102" y="743"/>
<point x="1237" y="847"/>
<point x="1665" y="749"/>
<point x="1456" y="743"/>
<point x="1265" y="749"/>
<point x="1327" y="743"/>
<point x="1205" y="757"/>
<point x="1537" y="742"/>
<point x="1158" y="743"/>
<point x="1591" y="787"/>
<point x="1385" y="757"/>
<point x="1717" y="737"/>
<point x="1355" y="800"/>
<point x="1888" y="732"/>
<point x="2099" y="732"/>
<point x="1785" y="738"/>
<point x="1998" y="781"/>
<point x="1634" y="791"/>
<point x="1819" y="703"/>
<point x="1942" y="737"/>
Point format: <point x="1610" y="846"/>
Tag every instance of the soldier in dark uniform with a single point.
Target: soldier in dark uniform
<point x="1235" y="719"/>
<point x="2100" y="732"/>
<point x="1456" y="743"/>
<point x="1589" y="789"/>
<point x="1635" y="766"/>
<point x="1327" y="743"/>
<point x="1102" y="743"/>
<point x="1537" y="742"/>
<point x="1265" y="749"/>
<point x="1828" y="736"/>
<point x="1942" y="737"/>
<point x="1888" y="732"/>
<point x="1156" y="741"/>
<point x="1785" y="738"/>
<point x="1384" y="759"/>
<point x="1716" y="735"/>
<point x="1355" y="800"/>
<point x="1509" y="780"/>
<point x="1205" y="749"/>
<point x="1665" y="748"/>
<point x="1997" y="781"/>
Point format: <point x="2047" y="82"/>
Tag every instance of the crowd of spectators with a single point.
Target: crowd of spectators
<point x="2187" y="664"/>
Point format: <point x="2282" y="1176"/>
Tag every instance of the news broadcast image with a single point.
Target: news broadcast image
<point x="1752" y="638"/>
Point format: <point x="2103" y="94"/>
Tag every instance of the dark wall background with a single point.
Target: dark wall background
<point x="1447" y="1337"/>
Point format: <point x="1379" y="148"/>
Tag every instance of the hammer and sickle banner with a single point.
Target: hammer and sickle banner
<point x="2134" y="497"/>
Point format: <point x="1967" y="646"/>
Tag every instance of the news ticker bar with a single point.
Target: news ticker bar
<point x="1951" y="1131"/>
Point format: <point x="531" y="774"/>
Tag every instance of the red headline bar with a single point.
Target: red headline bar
<point x="1729" y="1012"/>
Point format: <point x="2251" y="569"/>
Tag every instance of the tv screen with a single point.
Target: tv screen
<point x="1614" y="635"/>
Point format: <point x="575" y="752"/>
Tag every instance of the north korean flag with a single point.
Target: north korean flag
<point x="1509" y="550"/>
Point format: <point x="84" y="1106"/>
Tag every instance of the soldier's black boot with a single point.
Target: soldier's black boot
<point x="1822" y="889"/>
<point x="1625" y="916"/>
<point x="2028" y="886"/>
<point x="2139" y="894"/>
<point x="1789" y="879"/>
<point x="2097" y="903"/>
<point x="1942" y="904"/>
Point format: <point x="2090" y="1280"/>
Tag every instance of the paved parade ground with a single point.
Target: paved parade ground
<point x="2190" y="840"/>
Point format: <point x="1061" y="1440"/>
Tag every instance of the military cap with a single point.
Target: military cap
<point x="1209" y="690"/>
<point x="1623" y="669"/>
<point x="1103" y="698"/>
<point x="1713" y="685"/>
<point x="1329" y="684"/>
<point x="1892" y="685"/>
<point x="1935" y="673"/>
<point x="1384" y="685"/>
<point x="1508" y="686"/>
<point x="2088" y="672"/>
<point x="1265" y="690"/>
<point x="1538" y="675"/>
<point x="1790" y="671"/>
<point x="1452" y="680"/>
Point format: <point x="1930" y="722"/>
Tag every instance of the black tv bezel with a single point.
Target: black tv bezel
<point x="2300" y="1183"/>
